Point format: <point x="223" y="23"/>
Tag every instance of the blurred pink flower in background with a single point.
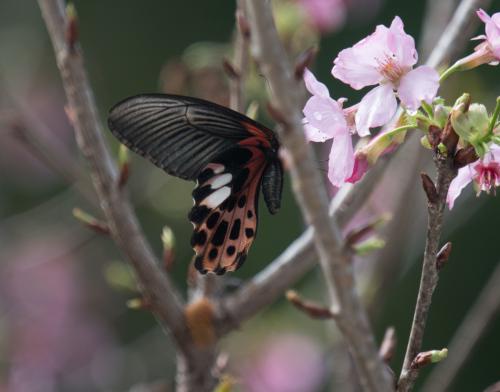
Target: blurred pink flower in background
<point x="50" y="335"/>
<point x="325" y="15"/>
<point x="286" y="363"/>
<point x="326" y="119"/>
<point x="43" y="105"/>
<point x="485" y="173"/>
<point x="386" y="58"/>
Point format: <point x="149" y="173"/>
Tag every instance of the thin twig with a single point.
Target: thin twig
<point x="115" y="205"/>
<point x="240" y="62"/>
<point x="312" y="198"/>
<point x="468" y="334"/>
<point x="429" y="279"/>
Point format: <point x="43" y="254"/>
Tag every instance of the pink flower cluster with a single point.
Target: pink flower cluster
<point x="386" y="59"/>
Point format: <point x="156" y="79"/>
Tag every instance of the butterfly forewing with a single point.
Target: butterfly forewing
<point x="181" y="135"/>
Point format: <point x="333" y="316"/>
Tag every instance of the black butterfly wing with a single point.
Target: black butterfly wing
<point x="228" y="154"/>
<point x="181" y="135"/>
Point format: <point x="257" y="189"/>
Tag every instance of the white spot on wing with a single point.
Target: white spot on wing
<point x="221" y="180"/>
<point x="216" y="167"/>
<point x="217" y="197"/>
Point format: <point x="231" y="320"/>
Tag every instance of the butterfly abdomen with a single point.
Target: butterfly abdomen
<point x="272" y="185"/>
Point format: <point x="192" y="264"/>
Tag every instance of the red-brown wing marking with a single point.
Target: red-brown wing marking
<point x="225" y="211"/>
<point x="259" y="134"/>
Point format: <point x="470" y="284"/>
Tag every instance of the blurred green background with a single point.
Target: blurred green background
<point x="63" y="320"/>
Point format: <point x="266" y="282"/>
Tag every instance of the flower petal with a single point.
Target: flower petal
<point x="463" y="178"/>
<point x="492" y="29"/>
<point x="401" y="44"/>
<point x="495" y="151"/>
<point x="493" y="34"/>
<point x="326" y="115"/>
<point x="375" y="109"/>
<point x="483" y="15"/>
<point x="420" y="84"/>
<point x="341" y="160"/>
<point x="361" y="166"/>
<point x="314" y="134"/>
<point x="359" y="66"/>
<point x="354" y="71"/>
<point x="314" y="86"/>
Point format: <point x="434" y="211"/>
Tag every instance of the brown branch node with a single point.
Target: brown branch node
<point x="443" y="256"/>
<point x="429" y="188"/>
<point x="465" y="156"/>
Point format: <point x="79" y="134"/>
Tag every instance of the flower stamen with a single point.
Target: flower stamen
<point x="390" y="69"/>
<point x="487" y="176"/>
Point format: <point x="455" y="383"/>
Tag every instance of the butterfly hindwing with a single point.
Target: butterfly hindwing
<point x="225" y="211"/>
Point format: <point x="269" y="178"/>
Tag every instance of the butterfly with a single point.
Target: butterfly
<point x="229" y="155"/>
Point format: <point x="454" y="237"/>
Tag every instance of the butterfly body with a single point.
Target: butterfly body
<point x="230" y="156"/>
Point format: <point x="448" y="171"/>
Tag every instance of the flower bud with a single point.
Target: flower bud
<point x="71" y="27"/>
<point x="90" y="221"/>
<point x="429" y="188"/>
<point x="168" y="241"/>
<point x="371" y="244"/>
<point x="124" y="165"/>
<point x="424" y="141"/>
<point x="427" y="357"/>
<point x="472" y="125"/>
<point x="434" y="135"/>
<point x="441" y="114"/>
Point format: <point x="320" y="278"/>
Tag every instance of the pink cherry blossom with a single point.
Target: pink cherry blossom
<point x="487" y="52"/>
<point x="492" y="29"/>
<point x="326" y="119"/>
<point x="484" y="172"/>
<point x="386" y="58"/>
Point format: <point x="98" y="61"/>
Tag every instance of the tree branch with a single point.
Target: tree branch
<point x="311" y="196"/>
<point x="120" y="217"/>
<point x="468" y="334"/>
<point x="429" y="279"/>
